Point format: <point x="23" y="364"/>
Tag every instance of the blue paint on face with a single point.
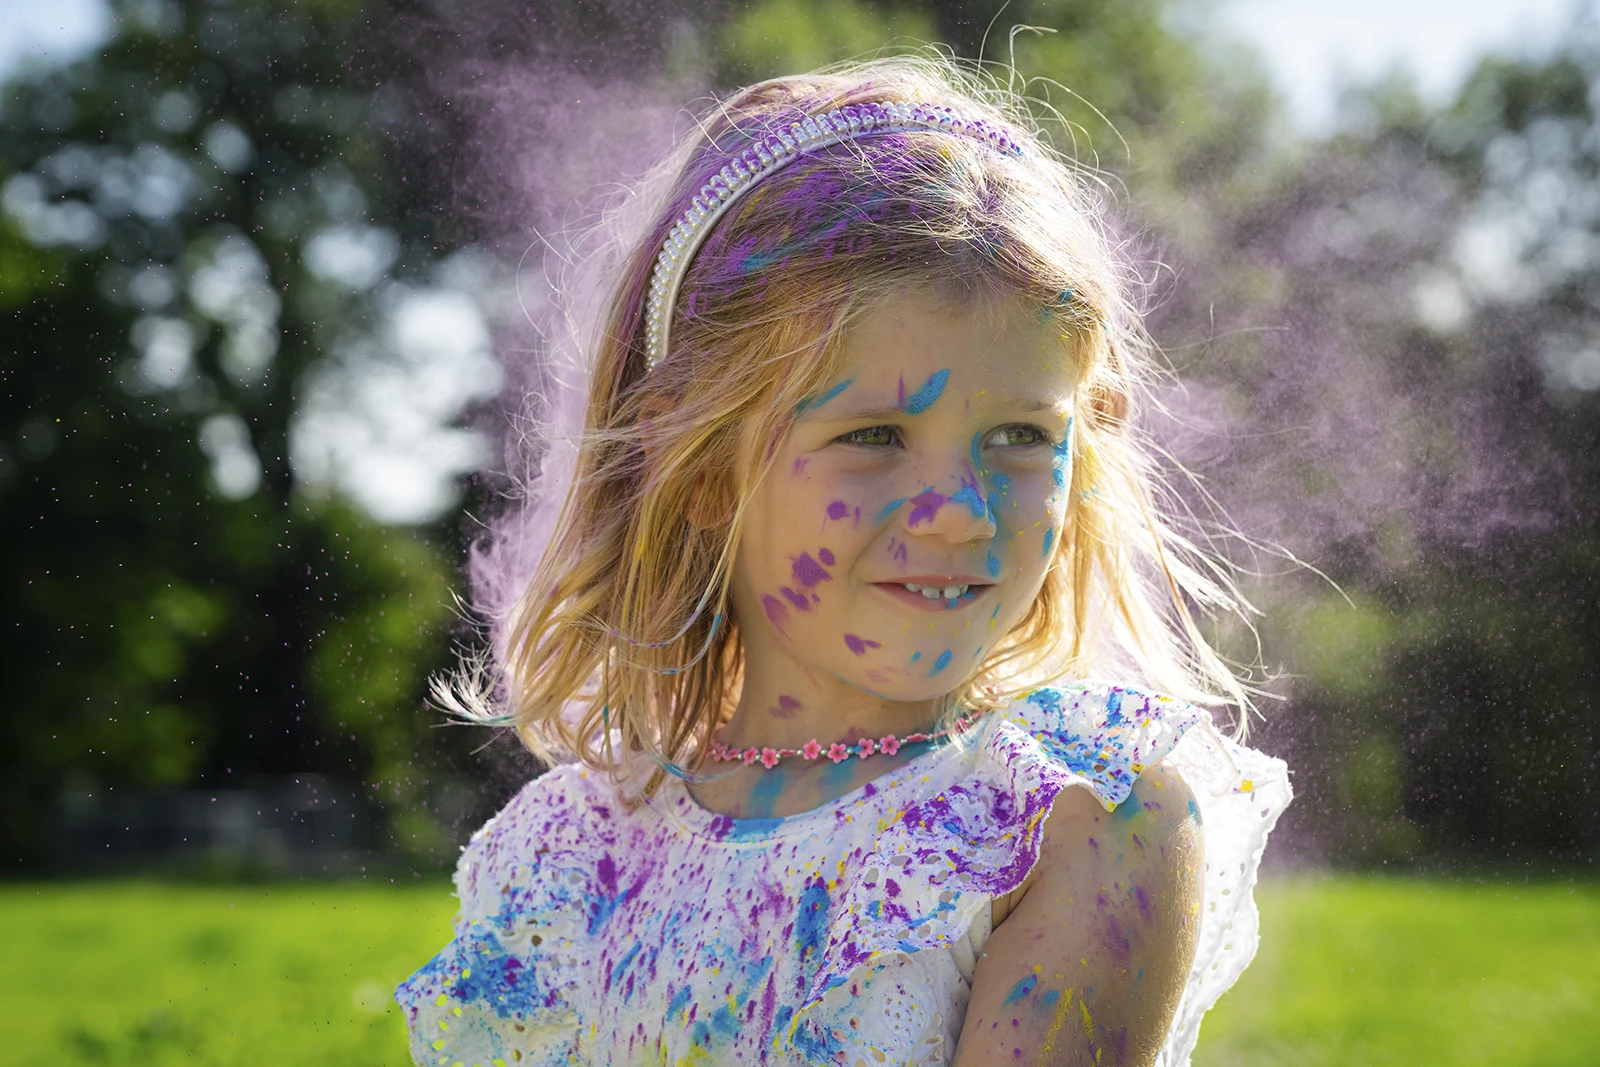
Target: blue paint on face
<point x="816" y="402"/>
<point x="1061" y="461"/>
<point x="1001" y="482"/>
<point x="890" y="508"/>
<point x="941" y="663"/>
<point x="977" y="455"/>
<point x="915" y="656"/>
<point x="968" y="494"/>
<point x="992" y="565"/>
<point x="1049" y="539"/>
<point x="924" y="398"/>
<point x="1053" y="995"/>
<point x="1020" y="991"/>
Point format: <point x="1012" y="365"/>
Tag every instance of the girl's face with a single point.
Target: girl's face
<point x="911" y="512"/>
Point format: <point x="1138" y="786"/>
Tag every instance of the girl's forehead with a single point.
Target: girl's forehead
<point x="972" y="344"/>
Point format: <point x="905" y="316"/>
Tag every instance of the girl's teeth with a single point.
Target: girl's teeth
<point x="933" y="592"/>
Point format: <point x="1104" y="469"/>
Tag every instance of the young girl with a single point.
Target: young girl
<point x="857" y="510"/>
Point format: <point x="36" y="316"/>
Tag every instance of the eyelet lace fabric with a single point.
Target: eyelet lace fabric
<point x="591" y="934"/>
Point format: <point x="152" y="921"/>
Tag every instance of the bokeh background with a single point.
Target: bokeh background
<point x="271" y="275"/>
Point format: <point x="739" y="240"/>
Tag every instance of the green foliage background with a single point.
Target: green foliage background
<point x="168" y="631"/>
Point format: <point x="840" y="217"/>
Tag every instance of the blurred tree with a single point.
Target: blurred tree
<point x="196" y="223"/>
<point x="1436" y="378"/>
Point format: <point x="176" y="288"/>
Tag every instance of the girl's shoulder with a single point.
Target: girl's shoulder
<point x="1097" y="734"/>
<point x="557" y="821"/>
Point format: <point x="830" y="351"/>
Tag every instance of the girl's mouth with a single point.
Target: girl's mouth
<point x="934" y="594"/>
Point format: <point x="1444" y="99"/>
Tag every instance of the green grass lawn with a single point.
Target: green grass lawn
<point x="1372" y="972"/>
<point x="1352" y="972"/>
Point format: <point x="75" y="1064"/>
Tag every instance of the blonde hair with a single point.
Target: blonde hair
<point x="622" y="643"/>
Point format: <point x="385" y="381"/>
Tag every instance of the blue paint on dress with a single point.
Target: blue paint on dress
<point x="811" y="925"/>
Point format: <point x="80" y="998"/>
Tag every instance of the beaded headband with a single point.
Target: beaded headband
<point x="770" y="154"/>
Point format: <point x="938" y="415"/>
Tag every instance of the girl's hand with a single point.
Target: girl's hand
<point x="1088" y="967"/>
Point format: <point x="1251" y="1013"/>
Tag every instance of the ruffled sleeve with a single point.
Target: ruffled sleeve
<point x="914" y="904"/>
<point x="502" y="991"/>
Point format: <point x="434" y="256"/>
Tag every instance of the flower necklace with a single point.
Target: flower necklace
<point x="839" y="751"/>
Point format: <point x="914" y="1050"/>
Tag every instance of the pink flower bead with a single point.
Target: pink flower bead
<point x="867" y="747"/>
<point x="811" y="749"/>
<point x="889" y="745"/>
<point x="751" y="754"/>
<point x="769" y="758"/>
<point x="838" y="752"/>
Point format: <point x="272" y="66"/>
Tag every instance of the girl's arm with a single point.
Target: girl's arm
<point x="1087" y="968"/>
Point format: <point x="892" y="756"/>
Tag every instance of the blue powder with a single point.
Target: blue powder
<point x="1020" y="990"/>
<point x="924" y="398"/>
<point x="809" y="403"/>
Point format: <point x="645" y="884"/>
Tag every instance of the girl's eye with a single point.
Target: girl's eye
<point x="1017" y="437"/>
<point x="871" y="437"/>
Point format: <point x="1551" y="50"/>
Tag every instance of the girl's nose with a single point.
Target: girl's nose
<point x="957" y="513"/>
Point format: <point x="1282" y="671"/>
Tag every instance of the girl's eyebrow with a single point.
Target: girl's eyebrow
<point x="1022" y="405"/>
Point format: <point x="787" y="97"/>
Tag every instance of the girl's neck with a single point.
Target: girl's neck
<point x="807" y="707"/>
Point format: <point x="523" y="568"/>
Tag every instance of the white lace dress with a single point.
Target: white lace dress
<point x="591" y="934"/>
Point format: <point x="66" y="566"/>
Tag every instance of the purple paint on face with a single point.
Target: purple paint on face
<point x="859" y="645"/>
<point x="798" y="599"/>
<point x="777" y="614"/>
<point x="897" y="551"/>
<point x="925" y="505"/>
<point x="838" y="509"/>
<point x="786" y="707"/>
<point x="826" y="556"/>
<point x="808" y="572"/>
<point x="799" y="467"/>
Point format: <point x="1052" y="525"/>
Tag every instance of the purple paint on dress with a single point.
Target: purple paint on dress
<point x="807" y="571"/>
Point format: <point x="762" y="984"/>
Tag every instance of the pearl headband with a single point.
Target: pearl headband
<point x="771" y="154"/>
